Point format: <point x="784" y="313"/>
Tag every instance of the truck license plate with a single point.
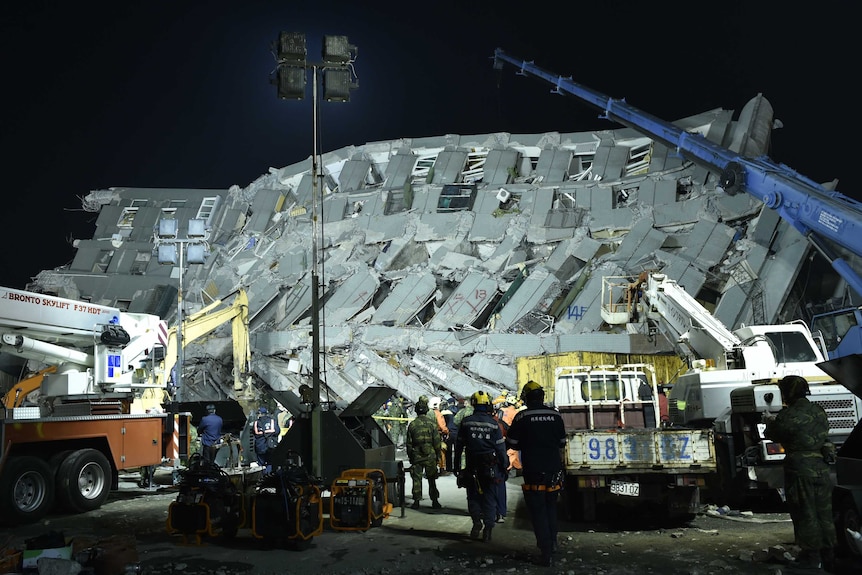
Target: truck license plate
<point x="624" y="488"/>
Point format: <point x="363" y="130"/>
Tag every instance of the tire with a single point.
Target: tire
<point x="57" y="459"/>
<point x="84" y="480"/>
<point x="848" y="518"/>
<point x="26" y="490"/>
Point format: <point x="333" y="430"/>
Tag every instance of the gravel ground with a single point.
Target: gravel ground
<point x="426" y="541"/>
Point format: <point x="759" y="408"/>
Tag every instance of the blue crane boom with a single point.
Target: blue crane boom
<point x="817" y="213"/>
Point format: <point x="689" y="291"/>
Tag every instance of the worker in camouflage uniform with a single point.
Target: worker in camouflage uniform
<point x="464" y="412"/>
<point x="802" y="429"/>
<point x="423" y="451"/>
<point x="398" y="422"/>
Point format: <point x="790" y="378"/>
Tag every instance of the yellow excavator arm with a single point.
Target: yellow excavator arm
<point x="204" y="322"/>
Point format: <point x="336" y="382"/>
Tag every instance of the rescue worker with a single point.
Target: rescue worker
<point x="446" y="408"/>
<point x="423" y="451"/>
<point x="510" y="408"/>
<point x="266" y="433"/>
<point x="466" y="409"/>
<point x="454" y="405"/>
<point x="480" y="438"/>
<point x="209" y="430"/>
<point x="399" y="422"/>
<point x="539" y="434"/>
<point x="437" y="416"/>
<point x="802" y="429"/>
<point x="663" y="408"/>
<point x="505" y="415"/>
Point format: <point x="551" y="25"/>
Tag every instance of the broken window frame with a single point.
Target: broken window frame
<point x="456" y="198"/>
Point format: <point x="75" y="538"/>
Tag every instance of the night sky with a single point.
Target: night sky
<point x="177" y="93"/>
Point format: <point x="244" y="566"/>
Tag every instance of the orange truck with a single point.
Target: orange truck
<point x="72" y="463"/>
<point x="65" y="439"/>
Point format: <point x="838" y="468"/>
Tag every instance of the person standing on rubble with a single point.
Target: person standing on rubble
<point x="480" y="438"/>
<point x="424" y="447"/>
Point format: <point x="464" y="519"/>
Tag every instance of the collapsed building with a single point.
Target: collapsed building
<point x="441" y="260"/>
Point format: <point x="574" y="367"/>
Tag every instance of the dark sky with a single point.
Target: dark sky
<point x="177" y="94"/>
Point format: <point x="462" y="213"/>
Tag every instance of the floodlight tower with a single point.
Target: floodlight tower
<point x="170" y="248"/>
<point x="338" y="79"/>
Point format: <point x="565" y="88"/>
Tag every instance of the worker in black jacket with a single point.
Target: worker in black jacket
<point x="539" y="434"/>
<point x="266" y="431"/>
<point x="209" y="430"/>
<point x="482" y="438"/>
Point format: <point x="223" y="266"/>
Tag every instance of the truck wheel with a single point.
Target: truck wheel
<point x="55" y="460"/>
<point x="848" y="518"/>
<point x="26" y="489"/>
<point x="84" y="480"/>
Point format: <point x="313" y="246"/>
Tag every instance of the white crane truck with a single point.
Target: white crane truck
<point x="718" y="390"/>
<point x="732" y="379"/>
<point x="65" y="438"/>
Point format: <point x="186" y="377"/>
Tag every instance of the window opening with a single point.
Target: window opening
<point x="127" y="218"/>
<point x="103" y="260"/>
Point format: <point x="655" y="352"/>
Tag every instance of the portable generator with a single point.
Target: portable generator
<point x="358" y="500"/>
<point x="286" y="505"/>
<point x="208" y="503"/>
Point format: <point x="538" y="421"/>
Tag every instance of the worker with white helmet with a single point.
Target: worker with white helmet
<point x="436" y="416"/>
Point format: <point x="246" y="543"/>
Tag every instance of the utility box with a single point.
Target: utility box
<point x="351" y="439"/>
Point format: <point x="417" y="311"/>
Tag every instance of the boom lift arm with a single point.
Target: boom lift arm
<point x="817" y="213"/>
<point x="90" y="349"/>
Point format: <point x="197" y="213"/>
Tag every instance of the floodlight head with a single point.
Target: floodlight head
<point x="167" y="228"/>
<point x="197" y="229"/>
<point x="292" y="48"/>
<point x="336" y="50"/>
<point x="291" y="82"/>
<point x="336" y="85"/>
<point x="196" y="253"/>
<point x="168" y="254"/>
